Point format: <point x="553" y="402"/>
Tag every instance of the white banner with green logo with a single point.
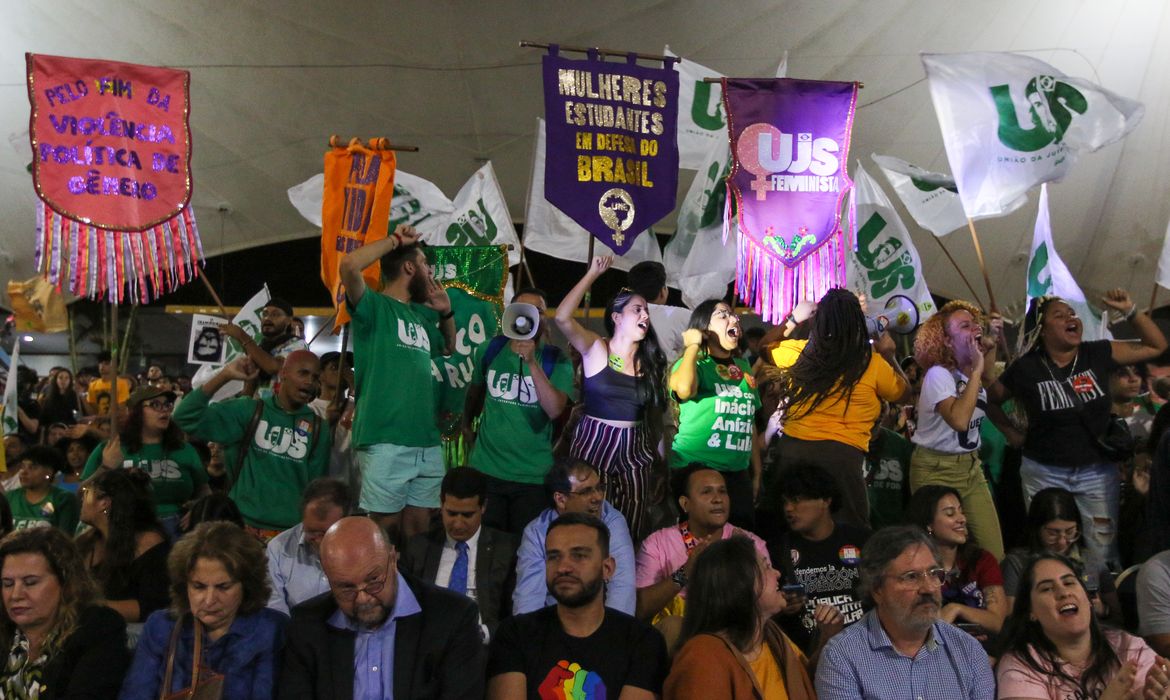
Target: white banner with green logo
<point x="11" y="414"/>
<point x="885" y="261"/>
<point x="1049" y="276"/>
<point x="701" y="123"/>
<point x="248" y="318"/>
<point x="931" y="198"/>
<point x="696" y="260"/>
<point x="1011" y="122"/>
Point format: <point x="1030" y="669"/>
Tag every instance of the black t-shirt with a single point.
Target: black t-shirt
<point x="828" y="572"/>
<point x="623" y="651"/>
<point x="1067" y="407"/>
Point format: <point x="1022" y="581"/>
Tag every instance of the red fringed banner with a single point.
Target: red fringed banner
<point x="111" y="149"/>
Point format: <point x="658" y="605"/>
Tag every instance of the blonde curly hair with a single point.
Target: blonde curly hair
<point x="930" y="345"/>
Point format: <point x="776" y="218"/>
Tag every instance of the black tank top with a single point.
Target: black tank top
<point x="611" y="395"/>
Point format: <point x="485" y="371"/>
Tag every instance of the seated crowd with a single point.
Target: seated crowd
<point x="678" y="510"/>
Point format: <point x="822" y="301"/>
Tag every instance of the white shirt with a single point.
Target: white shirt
<point x="447" y="563"/>
<point x="669" y="323"/>
<point x="938" y="384"/>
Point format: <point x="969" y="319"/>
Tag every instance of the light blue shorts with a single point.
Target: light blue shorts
<point x="394" y="477"/>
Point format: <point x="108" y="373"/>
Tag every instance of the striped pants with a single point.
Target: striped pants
<point x="622" y="457"/>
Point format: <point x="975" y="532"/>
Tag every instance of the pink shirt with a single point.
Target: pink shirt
<point x="663" y="552"/>
<point x="1016" y="680"/>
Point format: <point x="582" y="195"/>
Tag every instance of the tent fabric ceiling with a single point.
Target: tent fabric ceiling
<point x="272" y="80"/>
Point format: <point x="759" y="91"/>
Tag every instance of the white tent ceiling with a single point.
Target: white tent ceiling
<point x="271" y="80"/>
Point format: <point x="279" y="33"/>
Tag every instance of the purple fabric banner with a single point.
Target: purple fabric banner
<point x="790" y="142"/>
<point x="612" y="158"/>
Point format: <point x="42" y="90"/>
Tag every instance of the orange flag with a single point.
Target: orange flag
<point x="359" y="184"/>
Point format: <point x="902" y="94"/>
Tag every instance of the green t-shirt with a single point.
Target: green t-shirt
<point x="283" y="455"/>
<point x="174" y="476"/>
<point x="393" y="343"/>
<point x="715" y="425"/>
<point x="58" y="509"/>
<point x="887" y="478"/>
<point x="515" y="434"/>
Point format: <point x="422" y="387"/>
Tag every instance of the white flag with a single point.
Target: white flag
<point x="701" y="123"/>
<point x="697" y="262"/>
<point x="1163" y="277"/>
<point x="931" y="198"/>
<point x="885" y="262"/>
<point x="247" y="318"/>
<point x="1011" y="122"/>
<point x="550" y="231"/>
<point x="416" y="201"/>
<point x="11" y="397"/>
<point x="479" y="216"/>
<point x="1049" y="276"/>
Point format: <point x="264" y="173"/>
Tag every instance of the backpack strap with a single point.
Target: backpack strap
<point x="549" y="355"/>
<point x="495" y="346"/>
<point x="245" y="444"/>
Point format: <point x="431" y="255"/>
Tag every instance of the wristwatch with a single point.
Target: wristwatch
<point x="679" y="577"/>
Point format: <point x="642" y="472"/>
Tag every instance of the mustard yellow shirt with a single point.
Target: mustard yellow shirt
<point x="833" y="421"/>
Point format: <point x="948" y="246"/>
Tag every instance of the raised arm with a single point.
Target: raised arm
<point x="579" y="336"/>
<point x="352" y="264"/>
<point x="684" y="378"/>
<point x="1151" y="342"/>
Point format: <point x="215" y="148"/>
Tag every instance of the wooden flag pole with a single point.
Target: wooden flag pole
<point x="982" y="265"/>
<point x="1153" y="297"/>
<point x="218" y="302"/>
<point x="960" y="271"/>
<point x="115" y="356"/>
<point x="378" y="144"/>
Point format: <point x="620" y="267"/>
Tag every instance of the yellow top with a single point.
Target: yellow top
<point x="786" y="351"/>
<point x="833" y="421"/>
<point x="768" y="675"/>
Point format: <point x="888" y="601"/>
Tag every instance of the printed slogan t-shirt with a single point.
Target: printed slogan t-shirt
<point x="933" y="432"/>
<point x="514" y="442"/>
<point x="715" y="425"/>
<point x="393" y="343"/>
<point x="174" y="475"/>
<point x="1067" y="407"/>
<point x="623" y="651"/>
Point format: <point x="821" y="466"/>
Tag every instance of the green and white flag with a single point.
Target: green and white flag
<point x="11" y="413"/>
<point x="931" y="198"/>
<point x="1011" y="122"/>
<point x="696" y="260"/>
<point x="550" y="231"/>
<point x="248" y="318"/>
<point x="479" y="216"/>
<point x="1163" y="276"/>
<point x="701" y="123"/>
<point x="1049" y="276"/>
<point x="885" y="262"/>
<point x="420" y="203"/>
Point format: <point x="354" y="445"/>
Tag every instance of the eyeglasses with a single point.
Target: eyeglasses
<point x="598" y="490"/>
<point x="936" y="576"/>
<point x="1053" y="535"/>
<point x="160" y="405"/>
<point x="723" y="315"/>
<point x="349" y="593"/>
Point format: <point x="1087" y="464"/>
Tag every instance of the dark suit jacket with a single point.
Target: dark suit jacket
<point x="93" y="659"/>
<point x="437" y="653"/>
<point x="495" y="568"/>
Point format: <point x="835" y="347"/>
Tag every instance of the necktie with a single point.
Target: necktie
<point x="458" y="581"/>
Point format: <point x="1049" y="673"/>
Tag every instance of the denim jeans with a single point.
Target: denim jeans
<point x="1097" y="488"/>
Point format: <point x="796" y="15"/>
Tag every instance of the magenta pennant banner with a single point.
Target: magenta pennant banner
<point x="790" y="142"/>
<point x="612" y="144"/>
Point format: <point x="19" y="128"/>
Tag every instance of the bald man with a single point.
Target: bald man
<point x="379" y="633"/>
<point x="275" y="445"/>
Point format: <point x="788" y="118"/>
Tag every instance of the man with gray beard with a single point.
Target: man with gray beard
<point x="901" y="650"/>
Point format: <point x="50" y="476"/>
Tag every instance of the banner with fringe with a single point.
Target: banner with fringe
<point x="790" y="142"/>
<point x="111" y="146"/>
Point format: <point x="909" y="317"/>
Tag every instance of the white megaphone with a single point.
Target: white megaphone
<point x="900" y="315"/>
<point x="520" y="321"/>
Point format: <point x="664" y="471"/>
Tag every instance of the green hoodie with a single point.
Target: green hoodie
<point x="282" y="457"/>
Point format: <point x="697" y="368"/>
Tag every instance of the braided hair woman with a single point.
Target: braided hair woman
<point x="832" y="395"/>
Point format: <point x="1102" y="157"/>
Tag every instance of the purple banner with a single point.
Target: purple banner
<point x="790" y="142"/>
<point x="612" y="158"/>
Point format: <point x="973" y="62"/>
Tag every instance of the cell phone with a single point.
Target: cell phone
<point x="793" y="589"/>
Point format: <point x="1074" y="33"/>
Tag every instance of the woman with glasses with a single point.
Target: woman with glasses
<point x="219" y="585"/>
<point x="125" y="547"/>
<point x="973" y="595"/>
<point x="150" y="440"/>
<point x="833" y="394"/>
<point x="1054" y="646"/>
<point x="625" y="374"/>
<point x="717" y="402"/>
<point x="1054" y="527"/>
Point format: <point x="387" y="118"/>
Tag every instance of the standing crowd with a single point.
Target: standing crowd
<point x="677" y="507"/>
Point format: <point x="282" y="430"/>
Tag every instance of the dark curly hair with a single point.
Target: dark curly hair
<point x="131" y="432"/>
<point x="78" y="589"/>
<point x="241" y="555"/>
<point x="837" y="354"/>
<point x="130" y="514"/>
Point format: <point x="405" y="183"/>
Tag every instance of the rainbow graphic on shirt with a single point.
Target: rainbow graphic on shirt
<point x="568" y="681"/>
